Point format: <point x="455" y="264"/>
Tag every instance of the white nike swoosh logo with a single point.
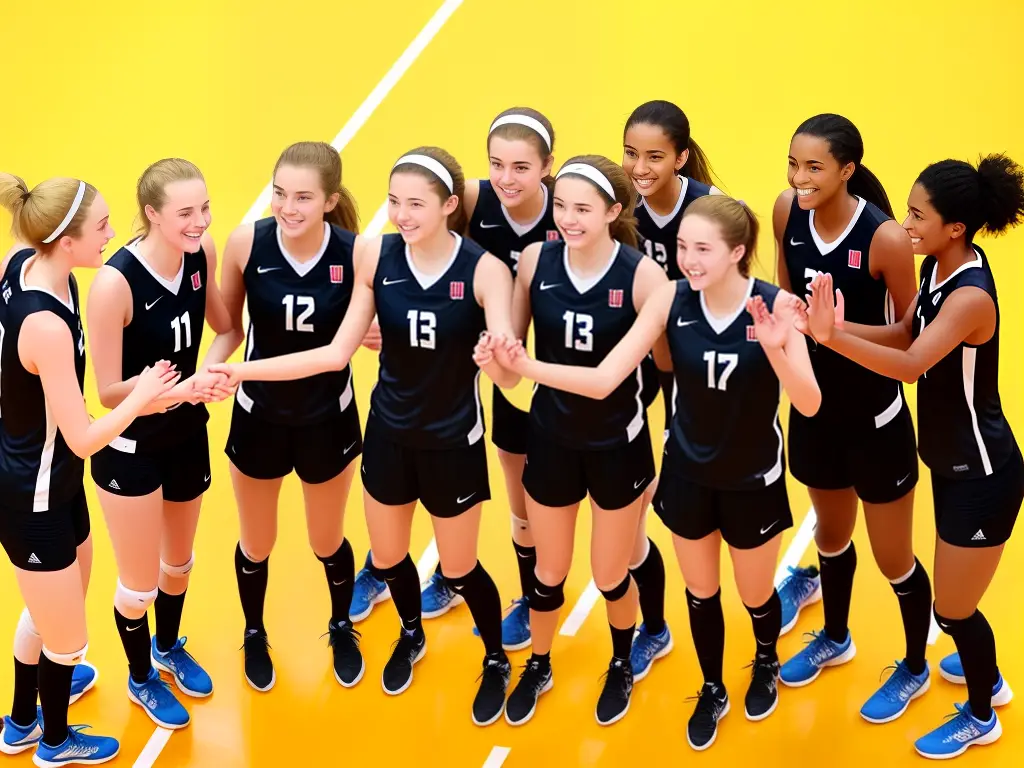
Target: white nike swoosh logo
<point x="206" y="479"/>
<point x="247" y="572"/>
<point x="637" y="485"/>
<point x="544" y="286"/>
<point x="467" y="498"/>
<point x="793" y="242"/>
<point x="394" y="282"/>
<point x="683" y="323"/>
<point x="761" y="616"/>
<point x="902" y="594"/>
<point x="350" y="447"/>
<point x="489" y="226"/>
<point x="132" y="629"/>
<point x="901" y="482"/>
<point x="264" y="270"/>
<point x="150" y="306"/>
<point x="765" y="530"/>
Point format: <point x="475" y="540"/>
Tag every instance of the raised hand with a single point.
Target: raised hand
<point x="156" y="380"/>
<point x="821" y="308"/>
<point x="483" y="352"/>
<point x="771" y="331"/>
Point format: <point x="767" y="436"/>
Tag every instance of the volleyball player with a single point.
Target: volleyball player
<point x="45" y="435"/>
<point x="434" y="293"/>
<point x="669" y="171"/>
<point x="150" y="302"/>
<point x="948" y="342"/>
<point x="836" y="218"/>
<point x="723" y="475"/>
<point x="296" y="270"/>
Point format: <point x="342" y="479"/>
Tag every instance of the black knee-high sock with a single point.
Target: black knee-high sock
<point x="54" y="692"/>
<point x="340" y="569"/>
<point x="404" y="582"/>
<point x="836" y="590"/>
<point x="977" y="648"/>
<point x="915" y="596"/>
<point x="252" y="588"/>
<point x="622" y="642"/>
<point x="26" y="689"/>
<point x="135" y="639"/>
<point x="167" y="609"/>
<point x="484" y="602"/>
<point x="526" y="559"/>
<point x="707" y="625"/>
<point x="650" y="583"/>
<point x="767" y="621"/>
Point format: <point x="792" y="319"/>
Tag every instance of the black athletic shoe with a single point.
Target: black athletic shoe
<point x="712" y="706"/>
<point x="763" y="693"/>
<point x="348" y="661"/>
<point x="535" y="680"/>
<point x="490" y="697"/>
<point x="408" y="649"/>
<point x="259" y="669"/>
<point x="613" y="704"/>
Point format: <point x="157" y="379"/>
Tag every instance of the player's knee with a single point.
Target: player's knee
<point x="178" y="571"/>
<point x="130" y="603"/>
<point x="545" y="597"/>
<point x="27" y="642"/>
<point x="618" y="590"/>
<point x="66" y="659"/>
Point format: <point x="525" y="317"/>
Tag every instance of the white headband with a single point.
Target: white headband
<point x="590" y="172"/>
<point x="530" y="122"/>
<point x="431" y="165"/>
<point x="71" y="214"/>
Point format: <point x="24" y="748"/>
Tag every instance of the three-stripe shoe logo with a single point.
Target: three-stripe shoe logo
<point x="979" y="536"/>
<point x="113" y="484"/>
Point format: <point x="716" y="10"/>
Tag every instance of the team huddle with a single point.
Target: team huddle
<point x="632" y="278"/>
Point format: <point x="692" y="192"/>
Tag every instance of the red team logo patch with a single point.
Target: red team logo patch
<point x="751" y="333"/>
<point x="615" y="297"/>
<point x="553" y="235"/>
<point x="854" y="259"/>
<point x="197" y="281"/>
<point x="457" y="289"/>
<point x="337" y="273"/>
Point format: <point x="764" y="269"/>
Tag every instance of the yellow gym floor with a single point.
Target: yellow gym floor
<point x="99" y="90"/>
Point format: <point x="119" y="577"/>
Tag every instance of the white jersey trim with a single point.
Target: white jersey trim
<point x="970" y="355"/>
<point x="584" y="284"/>
<point x="171" y="285"/>
<point x="303" y="268"/>
<point x="478" y="429"/>
<point x="41" y="502"/>
<point x="423" y="278"/>
<point x="523" y="229"/>
<point x="826" y="248"/>
<point x="663" y="221"/>
<point x="721" y="324"/>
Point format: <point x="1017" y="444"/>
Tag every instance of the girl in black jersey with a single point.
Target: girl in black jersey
<point x="296" y="271"/>
<point x="150" y="301"/>
<point x="582" y="296"/>
<point x="434" y="293"/>
<point x="668" y="171"/>
<point x="45" y="436"/>
<point x="836" y="218"/>
<point x="948" y="342"/>
<point x="723" y="475"/>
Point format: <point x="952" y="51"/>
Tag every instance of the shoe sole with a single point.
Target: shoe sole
<point x="638" y="676"/>
<point x="362" y="670"/>
<point x="815" y="597"/>
<point x="839" y="660"/>
<point x="714" y="736"/>
<point x="17" y="749"/>
<point x="453" y="603"/>
<point x="385" y="595"/>
<point x="92" y="684"/>
<point x="999" y="699"/>
<point x="518" y="646"/>
<point x="497" y="716"/>
<point x="187" y="691"/>
<point x="273" y="679"/>
<point x="408" y="682"/>
<point x="981" y="741"/>
<point x="169" y="726"/>
<point x="529" y="715"/>
<point x="75" y="761"/>
<point x="919" y="692"/>
<point x="618" y="717"/>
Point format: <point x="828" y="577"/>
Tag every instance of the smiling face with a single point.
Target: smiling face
<point x="703" y="254"/>
<point x="581" y="213"/>
<point x="516" y="169"/>
<point x="184" y="216"/>
<point x="929" y="234"/>
<point x="299" y="201"/>
<point x="649" y="158"/>
<point x="813" y="172"/>
<point x="416" y="209"/>
<point x="86" y="250"/>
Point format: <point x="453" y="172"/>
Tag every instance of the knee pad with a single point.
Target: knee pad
<point x="66" y="659"/>
<point x="27" y="642"/>
<point x="178" y="571"/>
<point x="132" y="604"/>
<point x="545" y="597"/>
<point x="617" y="592"/>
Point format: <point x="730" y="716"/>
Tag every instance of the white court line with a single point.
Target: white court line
<point x="497" y="757"/>
<point x="584" y="605"/>
<point x="153" y="748"/>
<point x="376" y="225"/>
<point x="933" y="631"/>
<point x="428" y="561"/>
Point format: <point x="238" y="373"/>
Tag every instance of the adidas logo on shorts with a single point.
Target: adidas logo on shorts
<point x="979" y="536"/>
<point x="34" y="560"/>
<point x="114" y="485"/>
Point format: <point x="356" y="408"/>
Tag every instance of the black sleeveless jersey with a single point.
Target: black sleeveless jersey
<point x="579" y="324"/>
<point x="962" y="432"/>
<point x="167" y="324"/>
<point x="38" y="471"/>
<point x="493" y="228"/>
<point x="658" y="233"/>
<point x="725" y="432"/>
<point x="293" y="307"/>
<point x="428" y="390"/>
<point x="846" y="388"/>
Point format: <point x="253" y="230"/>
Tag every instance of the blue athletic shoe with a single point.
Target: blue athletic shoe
<point x="892" y="699"/>
<point x="190" y="678"/>
<point x="648" y="648"/>
<point x="819" y="652"/>
<point x="798" y="590"/>
<point x="83" y="679"/>
<point x="367" y="591"/>
<point x="77" y="749"/>
<point x="515" y="627"/>
<point x="157" y="701"/>
<point x="960" y="731"/>
<point x="17" y="738"/>
<point x="437" y="598"/>
<point x="952" y="670"/>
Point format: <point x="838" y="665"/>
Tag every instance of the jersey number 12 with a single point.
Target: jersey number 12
<point x="306" y="304"/>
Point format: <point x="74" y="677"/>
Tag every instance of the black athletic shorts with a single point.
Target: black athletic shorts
<point x="181" y="470"/>
<point x="876" y="457"/>
<point x="746" y="519"/>
<point x="557" y="476"/>
<point x="45" y="541"/>
<point x="318" y="452"/>
<point x="447" y="481"/>
<point x="510" y="427"/>
<point x="979" y="512"/>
